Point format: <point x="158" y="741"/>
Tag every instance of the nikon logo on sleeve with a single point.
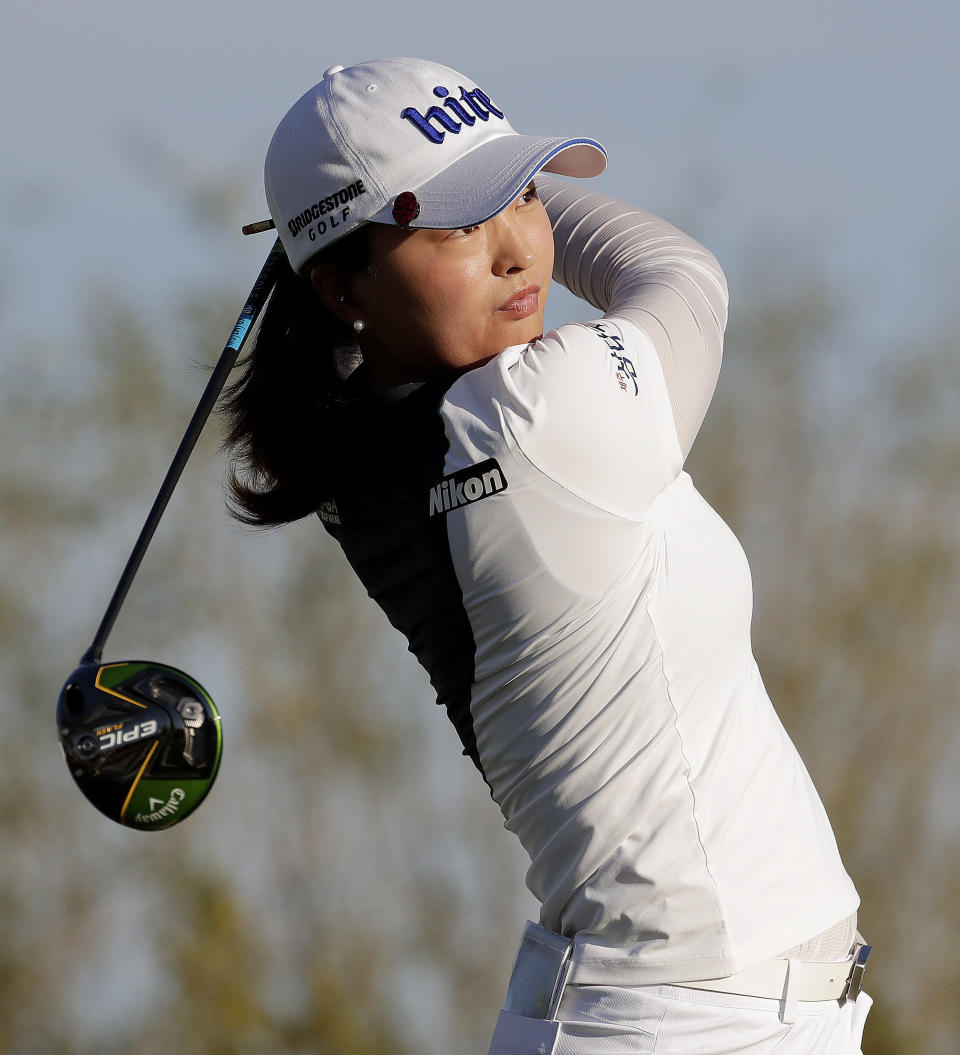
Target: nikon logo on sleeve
<point x="467" y="486"/>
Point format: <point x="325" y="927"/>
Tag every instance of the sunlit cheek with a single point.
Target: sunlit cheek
<point x="458" y="318"/>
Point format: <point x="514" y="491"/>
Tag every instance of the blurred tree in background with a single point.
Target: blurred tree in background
<point x="348" y="887"/>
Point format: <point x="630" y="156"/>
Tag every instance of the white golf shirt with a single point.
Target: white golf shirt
<point x="585" y="616"/>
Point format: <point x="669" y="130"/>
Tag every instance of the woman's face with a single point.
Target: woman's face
<point x="436" y="303"/>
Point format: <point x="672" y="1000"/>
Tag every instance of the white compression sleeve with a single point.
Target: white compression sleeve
<point x="633" y="265"/>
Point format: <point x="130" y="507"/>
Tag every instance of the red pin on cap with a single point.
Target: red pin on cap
<point x="406" y="208"/>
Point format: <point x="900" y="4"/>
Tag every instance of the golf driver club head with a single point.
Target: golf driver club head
<point x="142" y="740"/>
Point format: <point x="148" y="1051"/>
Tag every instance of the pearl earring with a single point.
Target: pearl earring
<point x="359" y="325"/>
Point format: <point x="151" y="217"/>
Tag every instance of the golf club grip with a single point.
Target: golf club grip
<point x="251" y="310"/>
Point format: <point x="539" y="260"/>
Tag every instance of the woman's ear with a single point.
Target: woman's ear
<point x="332" y="289"/>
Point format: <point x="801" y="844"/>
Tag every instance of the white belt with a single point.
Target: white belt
<point x="802" y="979"/>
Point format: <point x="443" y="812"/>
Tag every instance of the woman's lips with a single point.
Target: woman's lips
<point x="523" y="303"/>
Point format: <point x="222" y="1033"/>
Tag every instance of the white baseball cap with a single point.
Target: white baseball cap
<point x="406" y="142"/>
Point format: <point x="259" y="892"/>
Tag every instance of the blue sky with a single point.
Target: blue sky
<point x="831" y="125"/>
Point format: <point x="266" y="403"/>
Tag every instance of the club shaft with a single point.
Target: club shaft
<point x="251" y="310"/>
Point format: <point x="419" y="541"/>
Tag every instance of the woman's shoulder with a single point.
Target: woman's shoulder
<point x="583" y="405"/>
<point x="600" y="364"/>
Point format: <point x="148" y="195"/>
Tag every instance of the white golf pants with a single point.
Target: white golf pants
<point x="670" y="1020"/>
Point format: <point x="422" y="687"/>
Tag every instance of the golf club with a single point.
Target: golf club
<point x="142" y="740"/>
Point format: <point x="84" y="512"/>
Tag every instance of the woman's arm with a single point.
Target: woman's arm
<point x="632" y="265"/>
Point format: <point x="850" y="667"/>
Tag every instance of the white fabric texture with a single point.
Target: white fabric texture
<point x="620" y="718"/>
<point x="663" y="1020"/>
<point x="831" y="946"/>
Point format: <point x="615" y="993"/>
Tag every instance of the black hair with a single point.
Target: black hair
<point x="279" y="435"/>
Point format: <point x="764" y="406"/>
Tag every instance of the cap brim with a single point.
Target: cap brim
<point x="484" y="181"/>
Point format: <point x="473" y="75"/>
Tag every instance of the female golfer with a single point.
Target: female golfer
<point x="516" y="503"/>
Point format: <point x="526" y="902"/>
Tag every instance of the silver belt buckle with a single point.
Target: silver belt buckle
<point x="855" y="978"/>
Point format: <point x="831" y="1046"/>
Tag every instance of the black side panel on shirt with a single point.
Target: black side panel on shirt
<point x="390" y="453"/>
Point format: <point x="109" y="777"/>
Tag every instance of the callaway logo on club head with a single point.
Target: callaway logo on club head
<point x="454" y="114"/>
<point x="466" y="486"/>
<point x="166" y="809"/>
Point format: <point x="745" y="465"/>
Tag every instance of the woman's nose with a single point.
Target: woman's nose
<point x="513" y="249"/>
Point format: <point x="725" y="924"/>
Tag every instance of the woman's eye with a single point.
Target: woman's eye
<point x="529" y="195"/>
<point x="461" y="232"/>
